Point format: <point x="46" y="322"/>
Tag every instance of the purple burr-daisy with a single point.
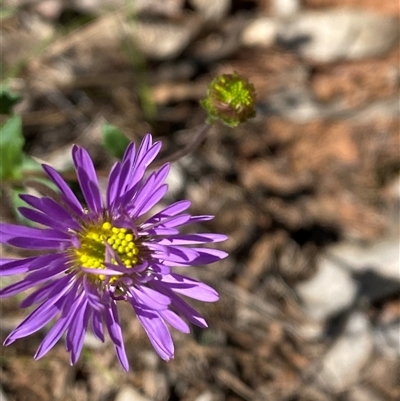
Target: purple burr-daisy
<point x="106" y="251"/>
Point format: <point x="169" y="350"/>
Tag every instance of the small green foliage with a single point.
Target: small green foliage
<point x="11" y="153"/>
<point x="7" y="99"/>
<point x="7" y="12"/>
<point x="231" y="99"/>
<point x="16" y="203"/>
<point x="114" y="140"/>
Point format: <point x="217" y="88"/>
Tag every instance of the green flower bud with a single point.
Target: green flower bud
<point x="230" y="98"/>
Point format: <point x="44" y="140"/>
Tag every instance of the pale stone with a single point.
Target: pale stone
<point x="285" y="8"/>
<point x="329" y="291"/>
<point x="260" y="32"/>
<point x="343" y="363"/>
<point x="212" y="10"/>
<point x="128" y="393"/>
<point x="331" y="35"/>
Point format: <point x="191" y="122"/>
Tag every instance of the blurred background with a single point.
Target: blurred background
<point x="308" y="191"/>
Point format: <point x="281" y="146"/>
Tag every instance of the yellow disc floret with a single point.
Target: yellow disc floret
<point x="92" y="251"/>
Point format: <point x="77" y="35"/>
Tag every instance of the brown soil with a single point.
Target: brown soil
<point x="282" y="191"/>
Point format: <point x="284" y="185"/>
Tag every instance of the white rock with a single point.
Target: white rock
<point x="394" y="188"/>
<point x="210" y="396"/>
<point x="162" y="39"/>
<point x="175" y="179"/>
<point x="342" y="364"/>
<point x="298" y="104"/>
<point x="328" y="292"/>
<point x="2" y="396"/>
<point x="312" y="330"/>
<point x="166" y="7"/>
<point x="92" y="342"/>
<point x="380" y="109"/>
<point x="387" y="338"/>
<point x="50" y="9"/>
<point x="330" y="35"/>
<point x="260" y="32"/>
<point x="92" y="6"/>
<point x="128" y="393"/>
<point x="363" y="394"/>
<point x="392" y="191"/>
<point x="382" y="257"/>
<point x="212" y="10"/>
<point x="285" y="8"/>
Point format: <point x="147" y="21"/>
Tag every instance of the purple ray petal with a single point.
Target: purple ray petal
<point x="142" y="193"/>
<point x="181" y="306"/>
<point x="144" y="147"/>
<point x="114" y="330"/>
<point x="41" y="218"/>
<point x="174" y="320"/>
<point x="15" y="266"/>
<point x="50" y="290"/>
<point x="157" y="331"/>
<point x="32" y="238"/>
<point x="87" y="178"/>
<point x="155" y="232"/>
<point x="144" y="157"/>
<point x="8" y="231"/>
<point x="97" y="325"/>
<point x="188" y="239"/>
<point x="20" y="286"/>
<point x="129" y="154"/>
<point x="112" y="188"/>
<point x="174" y="254"/>
<point x="207" y="256"/>
<point x="53" y="269"/>
<point x="69" y="197"/>
<point x="150" y="298"/>
<point x="160" y="268"/>
<point x="149" y="194"/>
<point x="34" y="322"/>
<point x="37" y="243"/>
<point x="170" y="222"/>
<point x="189" y="287"/>
<point x="69" y="309"/>
<point x="49" y="207"/>
<point x="190" y="313"/>
<point x="113" y="327"/>
<point x="162" y="174"/>
<point x="169" y="211"/>
<point x="150" y="201"/>
<point x="41" y="315"/>
<point x="199" y="219"/>
<point x="77" y="330"/>
<point x="102" y="271"/>
<point x="123" y="181"/>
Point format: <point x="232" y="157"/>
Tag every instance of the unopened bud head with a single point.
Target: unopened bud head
<point x="231" y="99"/>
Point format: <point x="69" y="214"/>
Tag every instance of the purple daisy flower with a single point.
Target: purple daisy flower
<point x="105" y="252"/>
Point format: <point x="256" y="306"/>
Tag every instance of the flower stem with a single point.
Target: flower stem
<point x="200" y="135"/>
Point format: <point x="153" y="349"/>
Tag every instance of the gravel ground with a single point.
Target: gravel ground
<point x="308" y="191"/>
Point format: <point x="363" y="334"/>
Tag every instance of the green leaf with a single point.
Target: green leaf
<point x="29" y="164"/>
<point x="11" y="153"/>
<point x="114" y="140"/>
<point x="7" y="99"/>
<point x="18" y="202"/>
<point x="7" y="12"/>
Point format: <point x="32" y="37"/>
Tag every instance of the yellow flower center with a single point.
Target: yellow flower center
<point x="92" y="251"/>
